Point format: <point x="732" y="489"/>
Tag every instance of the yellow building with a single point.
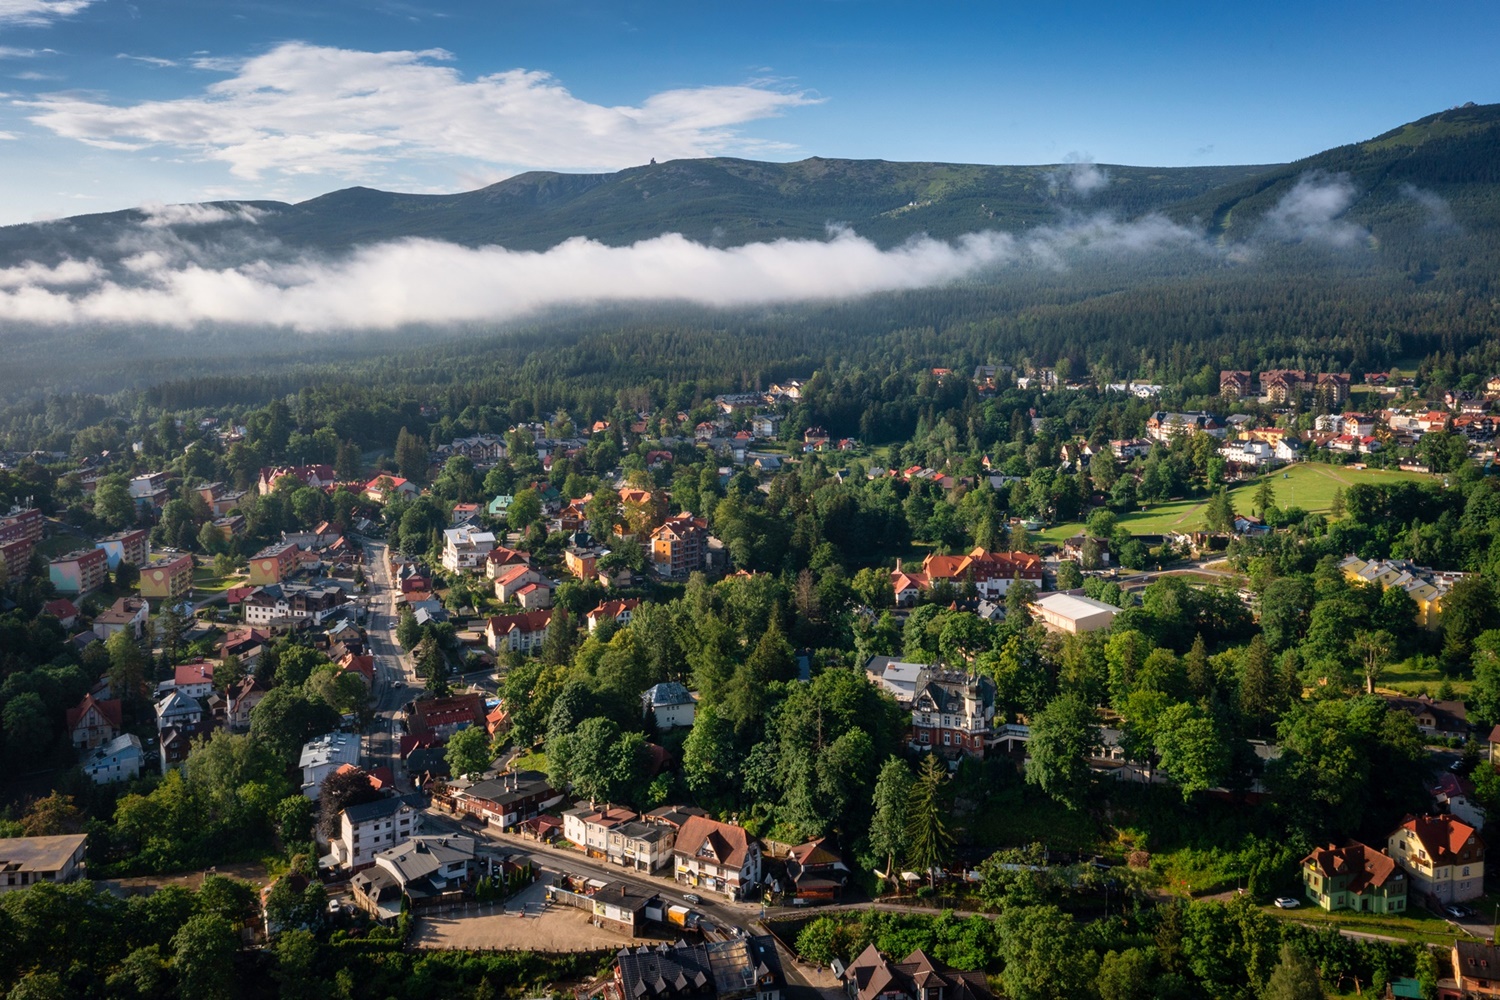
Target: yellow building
<point x="1426" y="587"/>
<point x="167" y="578"/>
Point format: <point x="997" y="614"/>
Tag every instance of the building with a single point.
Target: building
<point x="322" y="755"/>
<point x="621" y="611"/>
<point x="718" y="857"/>
<point x="1164" y="426"/>
<point x="242" y="697"/>
<point x="1476" y="969"/>
<point x="917" y="977"/>
<point x="132" y="546"/>
<point x="79" y="572"/>
<point x="167" y="578"/>
<point x="440" y="718"/>
<point x="1355" y="877"/>
<point x="94" y="722"/>
<point x="1235" y="385"/>
<point x="952" y="712"/>
<point x="118" y="760"/>
<point x="1088" y="552"/>
<point x="1443" y="855"/>
<point x="192" y="680"/>
<point x="507" y="799"/>
<point x="367" y="829"/>
<point x="671" y="703"/>
<point x="511" y="578"/>
<point x="289" y="602"/>
<point x="1249" y="454"/>
<point x="465" y="548"/>
<point x="1427" y="587"/>
<point x="991" y="574"/>
<point x="382" y="489"/>
<point x="1449" y="719"/>
<point x="814" y="874"/>
<point x="422" y="872"/>
<point x="895" y="677"/>
<point x="522" y="632"/>
<point x="679" y="546"/>
<point x="26" y="861"/>
<point x="740" y="968"/>
<point x="1066" y="613"/>
<point x="274" y="563"/>
<point x="126" y="614"/>
<point x="316" y="476"/>
<point x="624" y="907"/>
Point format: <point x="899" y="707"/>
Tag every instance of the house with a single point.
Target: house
<point x="118" y="760"/>
<point x="1476" y="969"/>
<point x="242" y="698"/>
<point x="620" y="611"/>
<point x="316" y="476"/>
<point x="1087" y="555"/>
<point x="671" y="703"/>
<point x="79" y="572"/>
<point x="1072" y="614"/>
<point x="1250" y="454"/>
<point x="1128" y="448"/>
<point x="1246" y="524"/>
<point x="814" y="874"/>
<point x="382" y="489"/>
<point x="273" y="564"/>
<point x="501" y="558"/>
<point x="131" y="545"/>
<point x="94" y="722"/>
<point x="991" y="573"/>
<point x="1443" y="855"/>
<point x="322" y="755"/>
<point x="499" y="505"/>
<point x="440" y="718"/>
<point x="623" y="907"/>
<point x="1427" y="587"/>
<point x="192" y="680"/>
<point x="535" y="596"/>
<point x="289" y="602"/>
<point x="64" y="610"/>
<point x="422" y="872"/>
<point x="679" y="546"/>
<point x="1354" y="877"/>
<point x="1454" y="794"/>
<point x="507" y="799"/>
<point x="465" y="548"/>
<point x="167" y="578"/>
<point x="509" y="580"/>
<point x="917" y="977"/>
<point x="523" y="632"/>
<point x="367" y="829"/>
<point x="26" y="861"/>
<point x="738" y="968"/>
<point x="175" y="710"/>
<point x="1164" y="426"/>
<point x="719" y="857"/>
<point x="126" y="614"/>
<point x="583" y="560"/>
<point x="953" y="712"/>
<point x="1449" y="719"/>
<point x="896" y="678"/>
<point x="765" y="426"/>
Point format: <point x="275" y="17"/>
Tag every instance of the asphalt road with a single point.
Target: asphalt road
<point x="395" y="679"/>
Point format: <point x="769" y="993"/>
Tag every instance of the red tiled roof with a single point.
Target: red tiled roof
<point x="730" y="844"/>
<point x="1442" y="836"/>
<point x="1370" y="867"/>
<point x="109" y="710"/>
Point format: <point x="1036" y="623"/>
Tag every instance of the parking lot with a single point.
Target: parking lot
<point x="546" y="927"/>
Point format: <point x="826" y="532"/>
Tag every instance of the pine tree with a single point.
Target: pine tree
<point x="928" y="839"/>
<point x="1199" y="671"/>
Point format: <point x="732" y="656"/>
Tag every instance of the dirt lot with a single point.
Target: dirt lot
<point x="545" y="928"/>
<point x="249" y="871"/>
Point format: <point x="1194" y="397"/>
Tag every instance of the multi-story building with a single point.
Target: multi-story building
<point x="521" y="632"/>
<point x="953" y="712"/>
<point x="118" y="760"/>
<point x="274" y="563"/>
<point x="672" y="705"/>
<point x="167" y="578"/>
<point x="78" y="572"/>
<point x="679" y="546"/>
<point x="618" y="611"/>
<point x="264" y="605"/>
<point x="740" y="968"/>
<point x="366" y="830"/>
<point x="323" y="755"/>
<point x="126" y="614"/>
<point x="1427" y="587"/>
<point x="991" y="573"/>
<point x="93" y="722"/>
<point x="1236" y="385"/>
<point x="1476" y="970"/>
<point x="917" y="977"/>
<point x="1355" y="877"/>
<point x="465" y="548"/>
<point x="718" y="857"/>
<point x="1443" y="855"/>
<point x="1164" y="426"/>
<point x="132" y="546"/>
<point x="507" y="799"/>
<point x="26" y="861"/>
<point x="316" y="476"/>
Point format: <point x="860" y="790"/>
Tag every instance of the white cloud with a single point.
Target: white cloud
<point x="34" y="13"/>
<point x="307" y="109"/>
<point x="157" y="61"/>
<point x="1080" y="176"/>
<point x="1311" y="212"/>
<point x="158" y="216"/>
<point x="1439" y="213"/>
<point x="8" y="135"/>
<point x="416" y="282"/>
<point x="32" y="275"/>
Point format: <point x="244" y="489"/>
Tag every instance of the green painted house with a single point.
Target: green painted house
<point x="1355" y="877"/>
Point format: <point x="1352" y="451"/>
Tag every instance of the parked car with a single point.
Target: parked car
<point x="1288" y="902"/>
<point x="692" y="897"/>
<point x="1457" y="912"/>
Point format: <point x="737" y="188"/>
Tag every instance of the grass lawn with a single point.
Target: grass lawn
<point x="536" y="760"/>
<point x="1309" y="485"/>
<point x="205" y="582"/>
<point x="1416" y="925"/>
<point x="61" y="545"/>
<point x="1419" y="675"/>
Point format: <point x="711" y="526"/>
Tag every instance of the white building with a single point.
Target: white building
<point x="118" y="760"/>
<point x="1067" y="613"/>
<point x="1254" y="454"/>
<point x="322" y="755"/>
<point x="465" y="548"/>
<point x="672" y="704"/>
<point x="366" y="830"/>
<point x="895" y="677"/>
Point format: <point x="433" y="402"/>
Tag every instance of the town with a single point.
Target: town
<point x="1067" y="694"/>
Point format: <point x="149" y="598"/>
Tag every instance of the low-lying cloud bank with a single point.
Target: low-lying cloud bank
<point x="166" y="280"/>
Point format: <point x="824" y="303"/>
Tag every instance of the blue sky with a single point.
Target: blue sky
<point x="109" y="104"/>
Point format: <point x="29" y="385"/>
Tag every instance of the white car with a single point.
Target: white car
<point x="1288" y="902"/>
<point x="692" y="897"/>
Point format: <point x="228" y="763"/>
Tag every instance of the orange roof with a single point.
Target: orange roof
<point x="1370" y="867"/>
<point x="109" y="710"/>
<point x="1442" y="836"/>
<point x="199" y="672"/>
<point x="729" y="844"/>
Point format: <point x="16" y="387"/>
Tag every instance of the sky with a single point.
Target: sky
<point x="108" y="104"/>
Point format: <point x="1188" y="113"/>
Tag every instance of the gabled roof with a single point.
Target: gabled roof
<point x="109" y="711"/>
<point x="729" y="845"/>
<point x="1444" y="837"/>
<point x="1368" y="866"/>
